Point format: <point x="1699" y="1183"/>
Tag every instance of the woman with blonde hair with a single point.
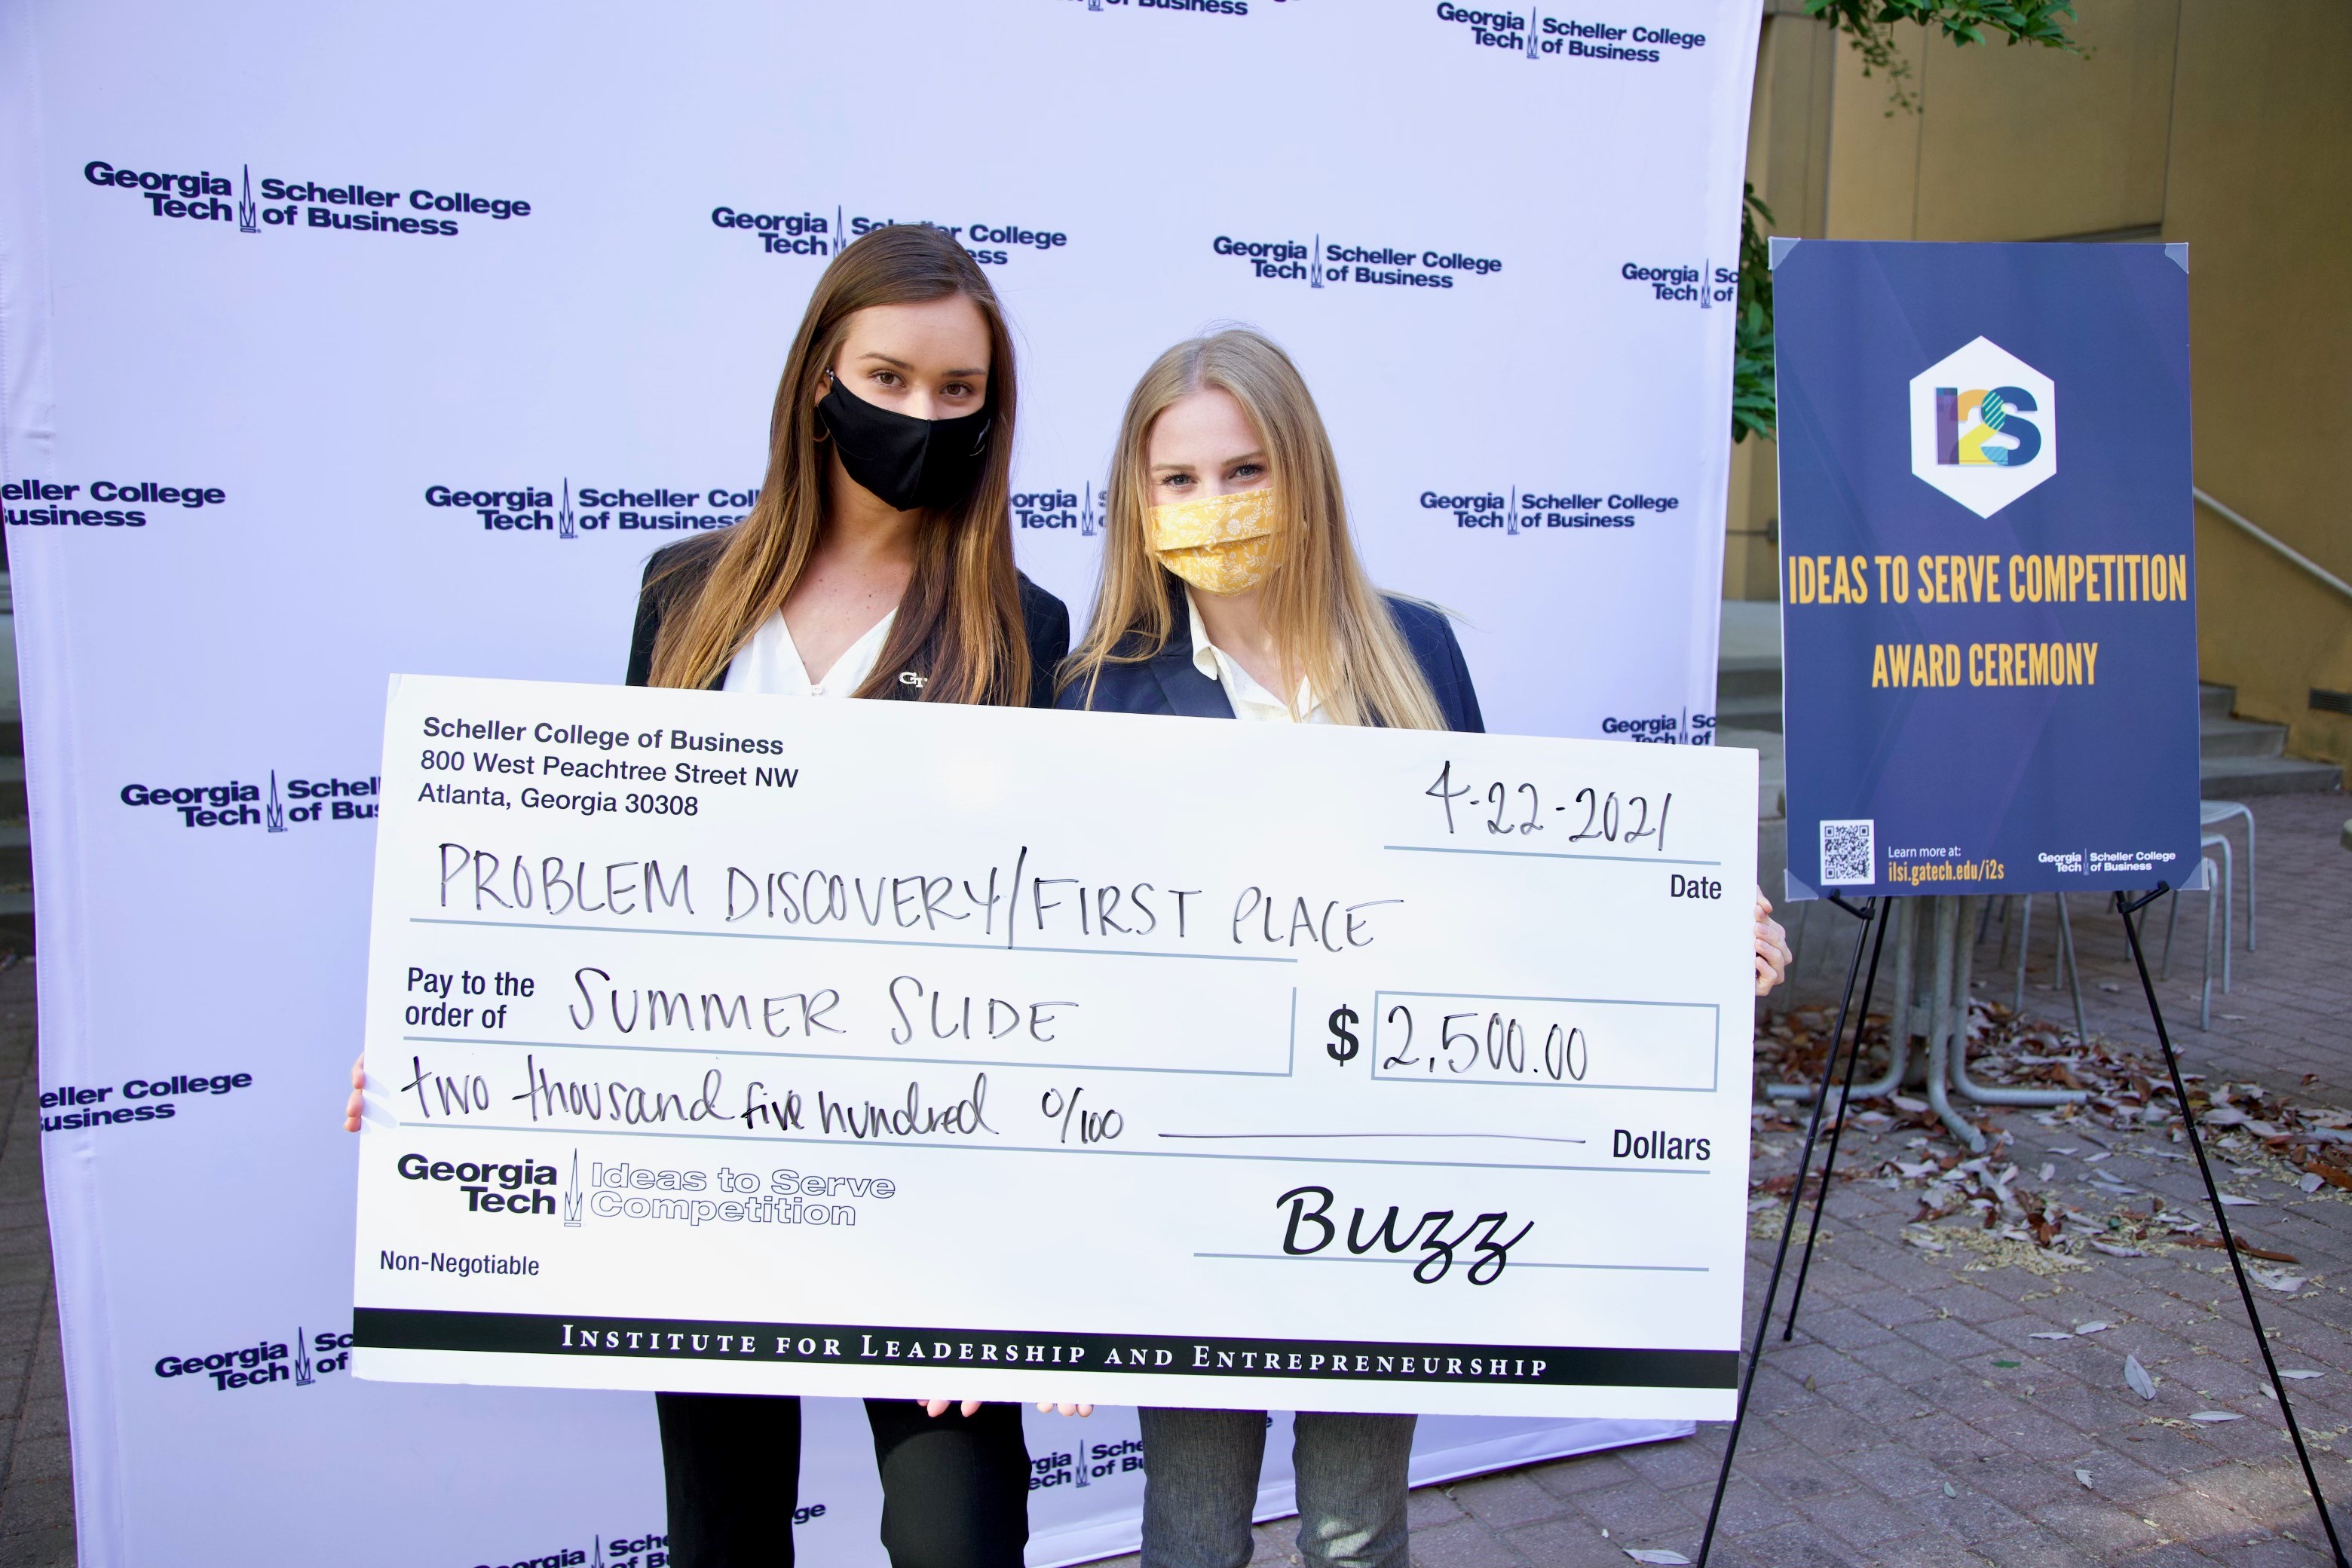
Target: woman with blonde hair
<point x="1231" y="589"/>
<point x="1230" y="583"/>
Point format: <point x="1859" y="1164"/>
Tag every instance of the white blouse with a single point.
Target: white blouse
<point x="770" y="663"/>
<point x="1253" y="703"/>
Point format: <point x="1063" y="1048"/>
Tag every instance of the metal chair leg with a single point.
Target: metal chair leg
<point x="2249" y="881"/>
<point x="2229" y="911"/>
<point x="2205" y="1001"/>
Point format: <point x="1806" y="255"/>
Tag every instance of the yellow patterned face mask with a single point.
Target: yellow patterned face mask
<point x="1220" y="544"/>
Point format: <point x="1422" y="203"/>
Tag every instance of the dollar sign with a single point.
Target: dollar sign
<point x="1342" y="1048"/>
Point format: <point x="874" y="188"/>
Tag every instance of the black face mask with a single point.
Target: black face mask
<point x="908" y="462"/>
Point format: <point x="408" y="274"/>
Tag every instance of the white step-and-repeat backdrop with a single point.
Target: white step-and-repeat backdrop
<point x="336" y="340"/>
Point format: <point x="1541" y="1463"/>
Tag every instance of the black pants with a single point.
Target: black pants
<point x="955" y="1491"/>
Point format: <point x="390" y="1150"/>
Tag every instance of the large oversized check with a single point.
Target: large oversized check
<point x="769" y="1045"/>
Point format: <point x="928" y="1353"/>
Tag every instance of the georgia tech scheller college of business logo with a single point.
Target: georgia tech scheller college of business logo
<point x="1321" y="265"/>
<point x="237" y="804"/>
<point x="592" y="510"/>
<point x="355" y="206"/>
<point x="809" y="233"/>
<point x="1537" y="36"/>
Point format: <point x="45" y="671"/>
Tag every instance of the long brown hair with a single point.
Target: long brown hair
<point x="1331" y="624"/>
<point x="958" y="624"/>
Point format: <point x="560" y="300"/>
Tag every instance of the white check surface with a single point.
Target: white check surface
<point x="763" y="1045"/>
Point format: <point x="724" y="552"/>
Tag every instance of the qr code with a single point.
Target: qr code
<point x="1849" y="852"/>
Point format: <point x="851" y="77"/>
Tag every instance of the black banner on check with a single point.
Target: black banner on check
<point x="837" y="1344"/>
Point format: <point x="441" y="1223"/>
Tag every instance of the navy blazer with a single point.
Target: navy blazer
<point x="1169" y="682"/>
<point x="678" y="569"/>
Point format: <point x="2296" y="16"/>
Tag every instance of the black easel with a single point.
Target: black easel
<point x="1837" y="1128"/>
<point x="1876" y="907"/>
<point x="2127" y="907"/>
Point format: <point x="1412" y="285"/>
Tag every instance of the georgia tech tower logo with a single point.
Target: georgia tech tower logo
<point x="1984" y="427"/>
<point x="1080" y="510"/>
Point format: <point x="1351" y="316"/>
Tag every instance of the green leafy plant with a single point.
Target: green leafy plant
<point x="1752" y="406"/>
<point x="1869" y="27"/>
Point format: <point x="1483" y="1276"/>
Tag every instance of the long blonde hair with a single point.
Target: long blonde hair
<point x="1331" y="624"/>
<point x="959" y="623"/>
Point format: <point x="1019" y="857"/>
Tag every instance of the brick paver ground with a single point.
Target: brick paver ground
<point x="1913" y="1422"/>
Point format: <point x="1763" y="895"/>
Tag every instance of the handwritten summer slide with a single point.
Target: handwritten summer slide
<point x="766" y="1045"/>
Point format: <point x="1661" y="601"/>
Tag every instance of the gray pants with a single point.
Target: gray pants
<point x="1201" y="1476"/>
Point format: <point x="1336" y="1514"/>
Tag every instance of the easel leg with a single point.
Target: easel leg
<point x="1845" y="1103"/>
<point x="2128" y="908"/>
<point x="2073" y="970"/>
<point x="1788" y="1228"/>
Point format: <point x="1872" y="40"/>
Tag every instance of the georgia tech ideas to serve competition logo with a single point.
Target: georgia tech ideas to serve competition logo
<point x="356" y="205"/>
<point x="1970" y="436"/>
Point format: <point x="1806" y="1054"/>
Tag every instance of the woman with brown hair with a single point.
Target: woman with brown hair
<point x="1231" y="589"/>
<point x="876" y="561"/>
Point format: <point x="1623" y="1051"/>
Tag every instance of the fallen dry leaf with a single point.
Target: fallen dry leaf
<point x="2137" y="1379"/>
<point x="1657" y="1554"/>
<point x="2210" y="1417"/>
<point x="2215" y="1243"/>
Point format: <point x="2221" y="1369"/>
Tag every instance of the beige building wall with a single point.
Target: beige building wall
<point x="2225" y="125"/>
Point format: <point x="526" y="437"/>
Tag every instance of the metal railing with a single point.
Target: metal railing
<point x="2246" y="526"/>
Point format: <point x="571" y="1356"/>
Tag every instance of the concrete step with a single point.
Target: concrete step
<point x="1771" y="794"/>
<point x="2238" y="757"/>
<point x="1748" y="713"/>
<point x="2239" y="738"/>
<point x="2234" y="778"/>
<point x="1772" y="804"/>
<point x="1748" y="675"/>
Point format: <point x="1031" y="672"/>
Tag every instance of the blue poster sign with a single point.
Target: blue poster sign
<point x="1988" y="621"/>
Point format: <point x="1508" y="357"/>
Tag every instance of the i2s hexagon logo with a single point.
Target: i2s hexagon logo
<point x="1984" y="427"/>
